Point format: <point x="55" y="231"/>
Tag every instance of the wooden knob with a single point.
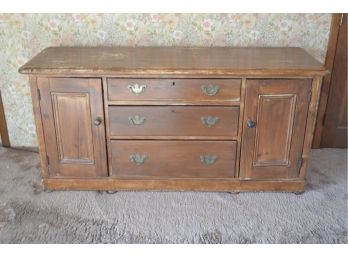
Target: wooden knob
<point x="98" y="121"/>
<point x="251" y="124"/>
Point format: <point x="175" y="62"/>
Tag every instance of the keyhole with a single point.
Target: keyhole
<point x="173" y="83"/>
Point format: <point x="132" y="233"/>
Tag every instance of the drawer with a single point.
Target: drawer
<point x="173" y="121"/>
<point x="173" y="159"/>
<point x="167" y="91"/>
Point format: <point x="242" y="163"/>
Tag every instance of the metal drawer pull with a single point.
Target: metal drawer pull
<point x="136" y="88"/>
<point x="136" y="120"/>
<point x="209" y="120"/>
<point x="208" y="159"/>
<point x="210" y="89"/>
<point x="138" y="159"/>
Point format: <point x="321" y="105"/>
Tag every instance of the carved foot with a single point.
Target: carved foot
<point x="38" y="188"/>
<point x="110" y="192"/>
<point x="298" y="192"/>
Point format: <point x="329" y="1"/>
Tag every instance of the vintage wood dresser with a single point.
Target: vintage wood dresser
<point x="171" y="118"/>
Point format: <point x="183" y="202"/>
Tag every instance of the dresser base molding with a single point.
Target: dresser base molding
<point x="213" y="185"/>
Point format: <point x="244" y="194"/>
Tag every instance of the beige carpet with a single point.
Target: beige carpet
<point x="317" y="216"/>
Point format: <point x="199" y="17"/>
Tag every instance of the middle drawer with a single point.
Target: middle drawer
<point x="173" y="121"/>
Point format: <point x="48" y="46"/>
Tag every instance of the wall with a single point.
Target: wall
<point x="24" y="35"/>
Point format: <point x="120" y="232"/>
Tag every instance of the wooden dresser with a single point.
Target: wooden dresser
<point x="170" y="118"/>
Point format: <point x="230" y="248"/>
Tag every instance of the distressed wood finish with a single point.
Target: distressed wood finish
<point x="273" y="147"/>
<point x="135" y="61"/>
<point x="176" y="91"/>
<point x="75" y="145"/>
<point x="240" y="125"/>
<point x="219" y="185"/>
<point x="180" y="159"/>
<point x="122" y="118"/>
<point x="107" y="127"/>
<point x="39" y="126"/>
<point x="173" y="121"/>
<point x="310" y="124"/>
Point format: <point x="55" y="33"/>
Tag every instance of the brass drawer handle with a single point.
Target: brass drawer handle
<point x="208" y="159"/>
<point x="136" y="120"/>
<point x="136" y="88"/>
<point x="209" y="120"/>
<point x="210" y="89"/>
<point x="138" y="159"/>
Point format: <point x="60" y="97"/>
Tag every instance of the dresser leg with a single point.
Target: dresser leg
<point x="110" y="192"/>
<point x="38" y="188"/>
<point x="298" y="192"/>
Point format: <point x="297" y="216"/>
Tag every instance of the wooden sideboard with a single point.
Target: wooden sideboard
<point x="171" y="118"/>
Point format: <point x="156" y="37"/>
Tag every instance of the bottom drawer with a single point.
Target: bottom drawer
<point x="173" y="159"/>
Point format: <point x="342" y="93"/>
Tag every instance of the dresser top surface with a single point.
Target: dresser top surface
<point x="235" y="61"/>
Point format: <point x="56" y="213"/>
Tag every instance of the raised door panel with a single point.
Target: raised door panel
<point x="279" y="108"/>
<point x="72" y="115"/>
<point x="273" y="128"/>
<point x="74" y="134"/>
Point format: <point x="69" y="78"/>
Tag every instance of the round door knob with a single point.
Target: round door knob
<point x="97" y="121"/>
<point x="251" y="124"/>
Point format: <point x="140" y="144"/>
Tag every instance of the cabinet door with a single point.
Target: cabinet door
<point x="274" y="127"/>
<point x="72" y="116"/>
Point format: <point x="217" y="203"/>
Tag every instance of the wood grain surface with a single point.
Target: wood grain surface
<point x="75" y="145"/>
<point x="175" y="91"/>
<point x="172" y="121"/>
<point x="273" y="147"/>
<point x="187" y="184"/>
<point x="174" y="60"/>
<point x="138" y="118"/>
<point x="173" y="159"/>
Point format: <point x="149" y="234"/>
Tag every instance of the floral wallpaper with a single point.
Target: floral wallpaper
<point x="24" y="35"/>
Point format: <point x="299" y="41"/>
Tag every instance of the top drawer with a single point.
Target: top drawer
<point x="174" y="91"/>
